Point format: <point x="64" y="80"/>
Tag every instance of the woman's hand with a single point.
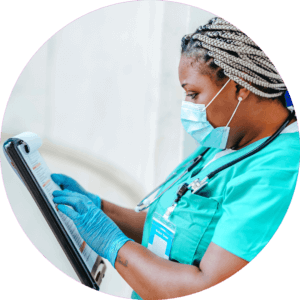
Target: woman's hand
<point x="94" y="226"/>
<point x="130" y="222"/>
<point x="70" y="184"/>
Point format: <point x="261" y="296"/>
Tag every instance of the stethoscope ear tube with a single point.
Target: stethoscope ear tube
<point x="197" y="160"/>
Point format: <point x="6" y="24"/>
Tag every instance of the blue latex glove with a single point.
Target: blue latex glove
<point x="94" y="226"/>
<point x="70" y="184"/>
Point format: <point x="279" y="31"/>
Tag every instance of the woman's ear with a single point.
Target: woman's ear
<point x="241" y="92"/>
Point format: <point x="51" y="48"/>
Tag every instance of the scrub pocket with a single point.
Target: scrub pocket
<point x="192" y="217"/>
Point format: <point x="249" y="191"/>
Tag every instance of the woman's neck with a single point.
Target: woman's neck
<point x="256" y="120"/>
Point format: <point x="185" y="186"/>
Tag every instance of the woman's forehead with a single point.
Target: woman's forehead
<point x="192" y="69"/>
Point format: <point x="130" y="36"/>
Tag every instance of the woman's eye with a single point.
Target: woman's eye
<point x="193" y="96"/>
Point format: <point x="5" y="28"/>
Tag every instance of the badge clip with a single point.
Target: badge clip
<point x="198" y="185"/>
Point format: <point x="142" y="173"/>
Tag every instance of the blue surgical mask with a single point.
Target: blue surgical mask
<point x="195" y="123"/>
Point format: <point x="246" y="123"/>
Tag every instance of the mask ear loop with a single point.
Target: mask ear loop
<point x="240" y="100"/>
<point x="216" y="95"/>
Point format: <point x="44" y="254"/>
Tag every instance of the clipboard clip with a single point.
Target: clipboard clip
<point x="26" y="147"/>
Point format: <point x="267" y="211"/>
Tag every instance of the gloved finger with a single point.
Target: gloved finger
<point x="69" y="212"/>
<point x="61" y="178"/>
<point x="96" y="200"/>
<point x="67" y="182"/>
<point x="77" y="204"/>
<point x="66" y="193"/>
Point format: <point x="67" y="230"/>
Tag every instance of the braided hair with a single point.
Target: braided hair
<point x="232" y="53"/>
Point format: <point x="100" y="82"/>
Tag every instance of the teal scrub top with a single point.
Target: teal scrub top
<point x="239" y="209"/>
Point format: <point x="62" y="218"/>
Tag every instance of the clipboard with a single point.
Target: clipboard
<point x="22" y="153"/>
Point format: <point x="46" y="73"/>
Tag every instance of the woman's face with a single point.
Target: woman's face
<point x="200" y="85"/>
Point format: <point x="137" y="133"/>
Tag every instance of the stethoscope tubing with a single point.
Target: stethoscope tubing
<point x="192" y="163"/>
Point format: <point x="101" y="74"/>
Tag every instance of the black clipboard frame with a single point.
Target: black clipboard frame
<point x="10" y="147"/>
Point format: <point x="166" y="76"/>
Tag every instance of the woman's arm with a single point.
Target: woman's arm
<point x="153" y="277"/>
<point x="149" y="275"/>
<point x="129" y="221"/>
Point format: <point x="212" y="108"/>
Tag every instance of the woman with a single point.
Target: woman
<point x="234" y="102"/>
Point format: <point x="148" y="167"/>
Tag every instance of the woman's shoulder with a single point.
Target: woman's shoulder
<point x="287" y="143"/>
<point x="283" y="153"/>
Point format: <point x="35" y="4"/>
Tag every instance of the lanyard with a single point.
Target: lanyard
<point x="197" y="185"/>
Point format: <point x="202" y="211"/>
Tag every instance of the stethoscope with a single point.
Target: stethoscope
<point x="197" y="185"/>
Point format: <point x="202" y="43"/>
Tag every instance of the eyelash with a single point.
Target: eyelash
<point x="193" y="96"/>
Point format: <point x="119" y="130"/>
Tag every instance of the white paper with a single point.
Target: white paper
<point x="32" y="140"/>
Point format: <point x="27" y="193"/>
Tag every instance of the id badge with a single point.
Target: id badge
<point x="161" y="236"/>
